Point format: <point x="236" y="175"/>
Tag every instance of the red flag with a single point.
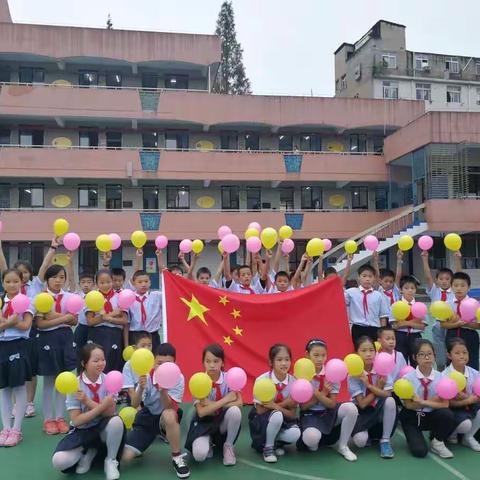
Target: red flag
<point x="246" y="326"/>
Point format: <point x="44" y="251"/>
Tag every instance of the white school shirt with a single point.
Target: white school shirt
<point x="435" y="293"/>
<point x="356" y="386"/>
<point x="274" y="289"/>
<point x="320" y="407"/>
<point x="399" y="364"/>
<point x="82" y="314"/>
<point x="130" y="378"/>
<point x="153" y="309"/>
<point x="378" y="307"/>
<point x="63" y="303"/>
<point x="114" y="302"/>
<point x="453" y="302"/>
<point x="12" y="333"/>
<point x="213" y="392"/>
<point x="34" y="287"/>
<point x="151" y="396"/>
<point x="395" y="292"/>
<point x="415" y="378"/>
<point x="237" y="288"/>
<point x="409" y="329"/>
<point x="470" y="374"/>
<point x="286" y="384"/>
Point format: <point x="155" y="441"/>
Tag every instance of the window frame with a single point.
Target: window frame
<point x="449" y="62"/>
<point x="361" y="190"/>
<point x="386" y="60"/>
<point x="113" y="132"/>
<point x="115" y="205"/>
<point x="230" y="197"/>
<point x="454" y="90"/>
<point x="93" y="200"/>
<point x="33" y="72"/>
<point x="256" y="142"/>
<point x="181" y="77"/>
<point x="390" y="86"/>
<point x="361" y="139"/>
<point x="31" y="187"/>
<point x="5" y="188"/>
<point x="88" y="133"/>
<point x="113" y="84"/>
<point x="4" y="136"/>
<point x="287" y="205"/>
<point x="23" y="131"/>
<point x="311" y="204"/>
<point x="314" y="138"/>
<point x="282" y="137"/>
<point x="88" y="72"/>
<point x="177" y="189"/>
<point x="258" y="190"/>
<point x="422" y="59"/>
<point x="156" y="200"/>
<point x="423" y="88"/>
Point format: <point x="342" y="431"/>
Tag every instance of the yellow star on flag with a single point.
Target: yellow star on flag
<point x="223" y="300"/>
<point x="196" y="309"/>
<point x="238" y="331"/>
<point x="228" y="340"/>
<point x="235" y="313"/>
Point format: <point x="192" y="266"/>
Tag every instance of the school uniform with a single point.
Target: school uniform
<point x="31" y="289"/>
<point x="399" y="364"/>
<point x="130" y="378"/>
<point x="274" y="289"/>
<point x="393" y="295"/>
<point x="145" y="315"/>
<point x="254" y="288"/>
<point x="80" y="334"/>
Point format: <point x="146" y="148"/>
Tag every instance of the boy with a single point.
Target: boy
<point x="204" y="275"/>
<point x="176" y="270"/>
<point x="244" y="284"/>
<point x="386" y="338"/>
<point x="332" y="271"/>
<point x="118" y="279"/>
<point x="80" y="336"/>
<point x="367" y="308"/>
<point x="387" y="279"/>
<point x="159" y="414"/>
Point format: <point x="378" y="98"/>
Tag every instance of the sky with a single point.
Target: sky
<point x="288" y="44"/>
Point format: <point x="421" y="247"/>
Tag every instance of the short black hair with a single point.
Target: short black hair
<point x="53" y="271"/>
<point x="386" y="328"/>
<point x="366" y="268"/>
<point x="27" y="265"/>
<point x="88" y="275"/>
<point x="166" y="349"/>
<point x="330" y="271"/>
<point x="444" y="270"/>
<point x="364" y="338"/>
<point x="141" y="335"/>
<point x="408" y="279"/>
<point x="202" y="270"/>
<point x="455" y="341"/>
<point x="384" y="273"/>
<point x="103" y="271"/>
<point x="419" y="343"/>
<point x="241" y="267"/>
<point x="178" y="268"/>
<point x="462" y="276"/>
<point x="215" y="349"/>
<point x="120" y="272"/>
<point x="315" y="342"/>
<point x="276" y="349"/>
<point x="140" y="273"/>
<point x="281" y="273"/>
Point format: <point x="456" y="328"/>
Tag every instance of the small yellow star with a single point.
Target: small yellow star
<point x="238" y="331"/>
<point x="196" y="309"/>
<point x="224" y="300"/>
<point x="235" y="313"/>
<point x="228" y="340"/>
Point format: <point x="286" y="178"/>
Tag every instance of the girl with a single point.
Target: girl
<point x="376" y="406"/>
<point x="95" y="424"/>
<point x="107" y="327"/>
<point x="56" y="349"/>
<point x="274" y="424"/>
<point x="322" y="414"/>
<point x="426" y="411"/>
<point x="15" y="367"/>
<point x="466" y="406"/>
<point x="218" y="417"/>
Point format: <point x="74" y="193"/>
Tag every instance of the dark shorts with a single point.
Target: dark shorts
<point x="33" y="350"/>
<point x="15" y="367"/>
<point x="56" y="351"/>
<point x="371" y="419"/>
<point x="111" y="339"/>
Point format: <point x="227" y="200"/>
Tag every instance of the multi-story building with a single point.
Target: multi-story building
<point x="380" y="66"/>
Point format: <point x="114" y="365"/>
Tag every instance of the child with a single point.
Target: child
<point x="455" y="326"/>
<point x="466" y="405"/>
<point x="244" y="284"/>
<point x="274" y="424"/>
<point x="408" y="331"/>
<point x="367" y="309"/>
<point x="387" y="280"/>
<point x="322" y="415"/>
<point x="281" y="283"/>
<point x="118" y="279"/>
<point x="158" y="415"/>
<point x="386" y="338"/>
<point x="426" y="411"/>
<point x="86" y="282"/>
<point x="15" y="368"/>
<point x="56" y="349"/>
<point x="372" y="395"/>
<point x="218" y="417"/>
<point x="95" y="423"/>
<point x="108" y="327"/>
<point x="204" y="275"/>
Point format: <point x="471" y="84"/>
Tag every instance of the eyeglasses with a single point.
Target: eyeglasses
<point x="425" y="355"/>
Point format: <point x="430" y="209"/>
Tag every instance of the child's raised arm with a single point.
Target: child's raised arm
<point x="48" y="258"/>
<point x="348" y="267"/>
<point x="72" y="285"/>
<point x="427" y="273"/>
<point x="192" y="266"/>
<point x="3" y="260"/>
<point x="399" y="269"/>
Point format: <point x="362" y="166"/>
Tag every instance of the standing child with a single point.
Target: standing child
<point x="86" y="282"/>
<point x="95" y="423"/>
<point x="218" y="417"/>
<point x="245" y="276"/>
<point x="274" y="424"/>
<point x="388" y="281"/>
<point x="372" y="395"/>
<point x="386" y="338"/>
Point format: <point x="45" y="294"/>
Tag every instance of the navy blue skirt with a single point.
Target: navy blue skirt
<point x="56" y="351"/>
<point x="111" y="339"/>
<point x="80" y="336"/>
<point x="15" y="368"/>
<point x="465" y="413"/>
<point x="371" y="419"/>
<point x="33" y="350"/>
<point x="324" y="421"/>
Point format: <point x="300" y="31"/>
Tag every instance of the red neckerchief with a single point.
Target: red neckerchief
<point x="108" y="308"/>
<point x="389" y="294"/>
<point x="321" y="381"/>
<point x="94" y="388"/>
<point x="58" y="302"/>
<point x="365" y="301"/>
<point x="141" y="300"/>
<point x="370" y="381"/>
<point x="279" y="397"/>
<point x="249" y="289"/>
<point x="218" y="391"/>
<point x="443" y="296"/>
<point x="23" y="290"/>
<point x="410" y="317"/>
<point x="9" y="310"/>
<point x="425" y="383"/>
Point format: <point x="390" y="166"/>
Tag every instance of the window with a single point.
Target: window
<point x="230" y="197"/>
<point x="252" y="141"/>
<point x="150" y="198"/>
<point x="113" y="197"/>
<point x="173" y="248"/>
<point x="311" y="198"/>
<point x="286" y="198"/>
<point x="113" y="79"/>
<point x="87" y="258"/>
<point x="421" y="63"/>
<point x="30" y="195"/>
<point x="381" y="198"/>
<point x="254" y="198"/>
<point x="360" y="198"/>
<point x="149" y="80"/>
<point x="343" y="82"/>
<point x="150" y="140"/>
<point x="478" y="95"/>
<point x="114" y="139"/>
<point x="87" y="78"/>
<point x="5" y="74"/>
<point x="179" y="82"/>
<point x="477" y="69"/>
<point x="358" y="143"/>
<point x="178" y="197"/>
<point x="30" y="137"/>
<point x="176" y="141"/>
<point x="31" y="75"/>
<point x="87" y="196"/>
<point x="33" y="252"/>
<point x="88" y="138"/>
<point x="389" y="60"/>
<point x="4" y="136"/>
<point x="423" y="91"/>
<point x="451" y="64"/>
<point x="310" y="142"/>
<point x="229" y="141"/>
<point x="285" y="143"/>
<point x="377" y="144"/>
<point x="474" y="181"/>
<point x="453" y="94"/>
<point x="4" y="195"/>
<point x="390" y="89"/>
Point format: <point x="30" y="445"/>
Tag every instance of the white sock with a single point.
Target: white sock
<point x="112" y="436"/>
<point x="231" y="424"/>
<point x="20" y="405"/>
<point x="347" y="415"/>
<point x="6" y="407"/>
<point x="475" y="424"/>
<point x="200" y="448"/>
<point x="389" y="415"/>
<point x="274" y="425"/>
<point x="311" y="437"/>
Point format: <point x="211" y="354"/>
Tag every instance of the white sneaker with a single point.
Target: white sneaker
<point x="83" y="466"/>
<point x="269" y="455"/>
<point x="470" y="442"/>
<point x="346" y="453"/>
<point x="453" y="439"/>
<point x="111" y="469"/>
<point x="439" y="448"/>
<point x="279" y="452"/>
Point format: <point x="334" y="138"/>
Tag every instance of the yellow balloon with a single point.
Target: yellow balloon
<point x="453" y="242"/>
<point x="1" y="303"/>
<point x="403" y="389"/>
<point x="269" y="237"/>
<point x="197" y="246"/>
<point x="128" y="352"/>
<point x="200" y="385"/>
<point x="138" y="238"/>
<point x="304" y="368"/>
<point x="459" y="379"/>
<point x="400" y="310"/>
<point x="220" y="247"/>
<point x="67" y="383"/>
<point x="315" y="247"/>
<point x="285" y="232"/>
<point x="127" y="414"/>
<point x="441" y="310"/>
<point x="60" y="227"/>
<point x="355" y="365"/>
<point x="378" y="347"/>
<point x="142" y="361"/>
<point x="103" y="243"/>
<point x="405" y="242"/>
<point x="264" y="390"/>
<point x="251" y="232"/>
<point x="477" y="315"/>
<point x="351" y="246"/>
<point x="94" y="301"/>
<point x="43" y="302"/>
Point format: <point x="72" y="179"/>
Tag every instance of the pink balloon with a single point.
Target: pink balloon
<point x="186" y="246"/>
<point x="167" y="375"/>
<point x="113" y="382"/>
<point x="476" y="387"/>
<point x="288" y="245"/>
<point x="223" y="231"/>
<point x="20" y="303"/>
<point x="236" y="379"/>
<point x="335" y="371"/>
<point x="71" y="241"/>
<point x="301" y="391"/>
<point x="116" y="240"/>
<point x="419" y="310"/>
<point x="230" y="243"/>
<point x="126" y="298"/>
<point x="405" y="370"/>
<point x="384" y="364"/>
<point x="370" y="242"/>
<point x="446" y="388"/>
<point x="255" y="225"/>
<point x="1" y="226"/>
<point x="74" y="304"/>
<point x="468" y="309"/>
<point x="161" y="242"/>
<point x="327" y="244"/>
<point x="425" y="242"/>
<point x="254" y="244"/>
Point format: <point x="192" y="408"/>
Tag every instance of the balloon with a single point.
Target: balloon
<point x="405" y="242"/>
<point x="251" y="232"/>
<point x="355" y="365"/>
<point x="254" y="244"/>
<point x="446" y="388"/>
<point x="468" y="309"/>
<point x="288" y="245"/>
<point x="220" y="248"/>
<point x="113" y="382"/>
<point x="43" y="302"/>
<point x="116" y="240"/>
<point x="126" y="298"/>
<point x="200" y="385"/>
<point x="71" y="241"/>
<point x="67" y="383"/>
<point x="167" y="375"/>
<point x="256" y="226"/>
<point x="94" y="301"/>
<point x="351" y="246"/>
<point x="142" y="361"/>
<point x="453" y="242"/>
<point x="377" y="345"/>
<point x="230" y="243"/>
<point x="476" y="387"/>
<point x="335" y="371"/>
<point x="425" y="242"/>
<point x="400" y="310"/>
<point x="477" y="315"/>
<point x="405" y="370"/>
<point x="315" y="247"/>
<point x="223" y="231"/>
<point x="1" y="226"/>
<point x="138" y="239"/>
<point x="60" y="227"/>
<point x="264" y="390"/>
<point x="285" y="232"/>
<point x="441" y="310"/>
<point x="459" y="379"/>
<point x="371" y="242"/>
<point x="185" y="246"/>
<point x="128" y="352"/>
<point x="236" y="379"/>
<point x="384" y="364"/>
<point x="327" y="244"/>
<point x="419" y="310"/>
<point x="403" y="389"/>
<point x="161" y="242"/>
<point x="127" y="414"/>
<point x="20" y="303"/>
<point x="197" y="246"/>
<point x="301" y="391"/>
<point x="269" y="237"/>
<point x="304" y="368"/>
<point x="103" y="243"/>
<point x="74" y="304"/>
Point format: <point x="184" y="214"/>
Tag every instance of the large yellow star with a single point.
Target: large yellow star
<point x="237" y="330"/>
<point x="196" y="309"/>
<point x="228" y="340"/>
<point x="235" y="313"/>
<point x="223" y="300"/>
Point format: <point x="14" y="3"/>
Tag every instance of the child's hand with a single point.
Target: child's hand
<point x="230" y="397"/>
<point x="381" y="381"/>
<point x="424" y="254"/>
<point x="309" y="259"/>
<point x="304" y="258"/>
<point x="81" y="396"/>
<point x="417" y="399"/>
<point x="457" y="254"/>
<point x="181" y="256"/>
<point x="107" y="257"/>
<point x="270" y="405"/>
<point x="364" y="379"/>
<point x="399" y="254"/>
<point x="350" y="257"/>
<point x="109" y="405"/>
<point x="158" y="253"/>
<point x="327" y="388"/>
<point x="269" y="254"/>
<point x="56" y="242"/>
<point x="473" y="399"/>
<point x="375" y="255"/>
<point x="142" y="382"/>
<point x="139" y="252"/>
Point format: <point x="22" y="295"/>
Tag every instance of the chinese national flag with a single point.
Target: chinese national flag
<point x="246" y="326"/>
